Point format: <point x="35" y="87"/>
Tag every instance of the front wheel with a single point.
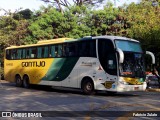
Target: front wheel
<point x="88" y="87"/>
<point x="26" y="82"/>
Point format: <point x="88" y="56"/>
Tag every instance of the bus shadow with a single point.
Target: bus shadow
<point x="124" y="94"/>
<point x="69" y="90"/>
<point x="79" y="92"/>
<point x="4" y="83"/>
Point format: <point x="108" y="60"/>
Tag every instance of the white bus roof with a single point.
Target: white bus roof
<point x="115" y="37"/>
<point x="62" y="40"/>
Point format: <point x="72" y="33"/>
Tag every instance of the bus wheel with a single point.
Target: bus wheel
<point x="26" y="81"/>
<point x="88" y="87"/>
<point x="18" y="81"/>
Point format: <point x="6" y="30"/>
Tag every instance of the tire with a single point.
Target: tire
<point x="26" y="82"/>
<point x="18" y="81"/>
<point x="88" y="87"/>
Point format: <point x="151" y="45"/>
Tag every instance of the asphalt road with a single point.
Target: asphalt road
<point x="119" y="106"/>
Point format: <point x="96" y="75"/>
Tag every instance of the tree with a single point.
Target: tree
<point x="143" y="19"/>
<point x="59" y="4"/>
<point x="52" y="24"/>
<point x="23" y="14"/>
<point x="77" y="21"/>
<point x="47" y="25"/>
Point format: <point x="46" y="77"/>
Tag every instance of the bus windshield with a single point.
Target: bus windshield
<point x="133" y="65"/>
<point x="129" y="46"/>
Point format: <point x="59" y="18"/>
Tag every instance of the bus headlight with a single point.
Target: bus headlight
<point x="123" y="82"/>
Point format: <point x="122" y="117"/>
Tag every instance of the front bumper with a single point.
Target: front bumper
<point x="123" y="88"/>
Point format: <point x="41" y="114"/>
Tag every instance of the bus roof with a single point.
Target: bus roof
<point x="115" y="37"/>
<point x="44" y="42"/>
<point x="62" y="40"/>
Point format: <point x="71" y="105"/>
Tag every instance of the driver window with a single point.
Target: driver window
<point x="107" y="56"/>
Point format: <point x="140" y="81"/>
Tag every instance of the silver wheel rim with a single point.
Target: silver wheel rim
<point x="88" y="86"/>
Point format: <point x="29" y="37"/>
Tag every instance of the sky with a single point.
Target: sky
<point x="35" y="4"/>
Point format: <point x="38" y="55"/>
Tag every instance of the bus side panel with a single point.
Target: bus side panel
<point x="9" y="68"/>
<point x="59" y="71"/>
<point x="85" y="67"/>
<point x="90" y="67"/>
<point x="36" y="69"/>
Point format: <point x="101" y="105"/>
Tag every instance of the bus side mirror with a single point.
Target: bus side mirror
<point x="152" y="56"/>
<point x="121" y="55"/>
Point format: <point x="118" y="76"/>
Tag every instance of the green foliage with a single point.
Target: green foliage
<point x="48" y="25"/>
<point x="144" y="23"/>
<point x="12" y="32"/>
<point x="23" y="14"/>
<point x="60" y="4"/>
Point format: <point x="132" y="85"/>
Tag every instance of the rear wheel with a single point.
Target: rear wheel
<point x="18" y="81"/>
<point x="26" y="82"/>
<point x="88" y="87"/>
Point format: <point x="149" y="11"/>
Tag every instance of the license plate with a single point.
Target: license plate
<point x="136" y="88"/>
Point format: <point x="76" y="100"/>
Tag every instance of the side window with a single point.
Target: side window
<point x="19" y="53"/>
<point x="65" y="50"/>
<point x="8" y="54"/>
<point x="58" y="50"/>
<point x="107" y="56"/>
<point x="87" y="48"/>
<point x="13" y="54"/>
<point x="42" y="52"/>
<point x="39" y="52"/>
<point x="92" y="52"/>
<point x="52" y="51"/>
<point x="32" y="52"/>
<point x="45" y="52"/>
<point x="27" y="53"/>
<point x="72" y="49"/>
<point x="24" y="53"/>
<point x="80" y="51"/>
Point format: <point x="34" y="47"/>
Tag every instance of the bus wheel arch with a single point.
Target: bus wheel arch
<point x="87" y="86"/>
<point x="18" y="80"/>
<point x="26" y="81"/>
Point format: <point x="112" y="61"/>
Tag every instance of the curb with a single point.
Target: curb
<point x="3" y="81"/>
<point x="153" y="90"/>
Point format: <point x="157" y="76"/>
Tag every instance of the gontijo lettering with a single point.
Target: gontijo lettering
<point x="33" y="64"/>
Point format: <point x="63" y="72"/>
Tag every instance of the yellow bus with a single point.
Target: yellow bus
<point x="107" y="63"/>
